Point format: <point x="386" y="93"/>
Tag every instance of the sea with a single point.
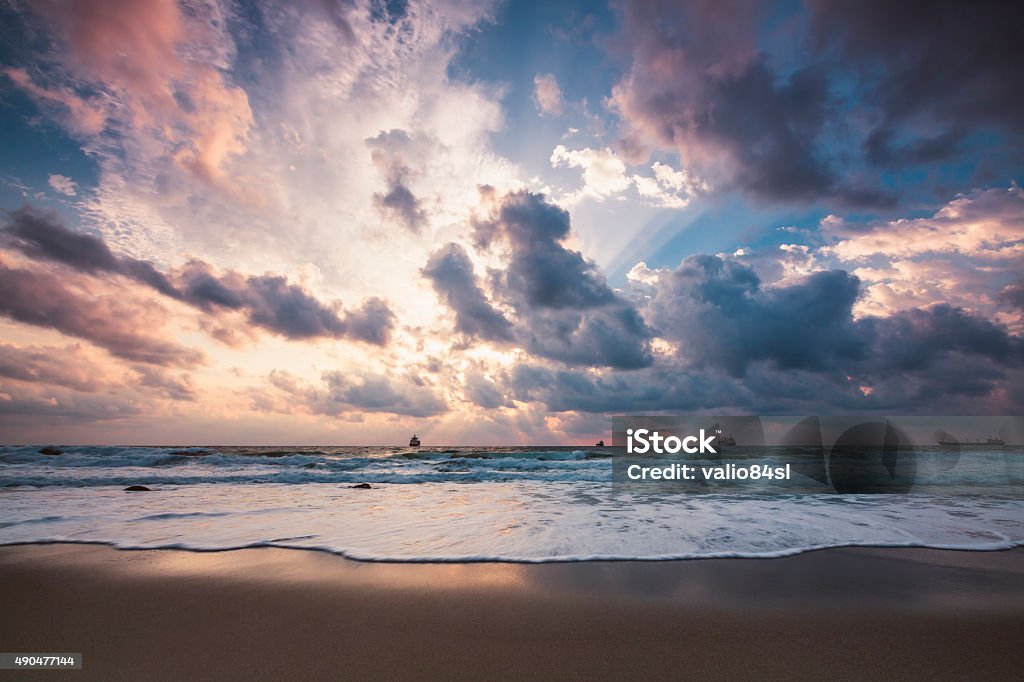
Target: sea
<point x="459" y="504"/>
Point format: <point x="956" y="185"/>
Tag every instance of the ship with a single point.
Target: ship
<point x="989" y="440"/>
<point x="722" y="438"/>
<point x="414" y="442"/>
<point x="600" y="444"/>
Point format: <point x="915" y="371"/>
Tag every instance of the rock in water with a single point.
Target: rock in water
<point x="50" y="450"/>
<point x="364" y="486"/>
<point x="137" y="489"/>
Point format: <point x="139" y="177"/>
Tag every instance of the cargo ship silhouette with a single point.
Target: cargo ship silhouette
<point x="989" y="440"/>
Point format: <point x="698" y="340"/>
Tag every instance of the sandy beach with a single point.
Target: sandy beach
<point x="291" y="614"/>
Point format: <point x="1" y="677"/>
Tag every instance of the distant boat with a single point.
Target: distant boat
<point x="600" y="444"/>
<point x="949" y="440"/>
<point x="722" y="438"/>
<point x="414" y="442"/>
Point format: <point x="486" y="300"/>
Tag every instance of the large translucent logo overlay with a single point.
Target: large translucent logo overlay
<point x="955" y="455"/>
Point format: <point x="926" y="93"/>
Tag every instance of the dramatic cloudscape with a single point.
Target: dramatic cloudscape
<point x="343" y="221"/>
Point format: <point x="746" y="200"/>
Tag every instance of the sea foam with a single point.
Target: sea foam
<point x="508" y="505"/>
<point x="527" y="522"/>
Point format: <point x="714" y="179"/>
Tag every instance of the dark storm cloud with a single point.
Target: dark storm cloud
<point x="401" y="202"/>
<point x="483" y="392"/>
<point x="389" y="151"/>
<point x="957" y="65"/>
<point x="372" y="322"/>
<point x="651" y="390"/>
<point x="543" y="273"/>
<point x="121" y="327"/>
<point x="882" y="149"/>
<point x="269" y="301"/>
<point x="379" y="393"/>
<point x="797" y="347"/>
<point x="199" y="285"/>
<point x="956" y="385"/>
<point x="767" y="127"/>
<point x="451" y="272"/>
<point x="915" y="339"/>
<point x="275" y="304"/>
<point x="343" y="392"/>
<point x="721" y="316"/>
<point x="699" y="85"/>
<point x="785" y="118"/>
<point x="40" y="235"/>
<point x="564" y="309"/>
<point x="613" y="336"/>
<point x="1013" y="294"/>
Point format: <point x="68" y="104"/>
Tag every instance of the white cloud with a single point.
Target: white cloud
<point x="668" y="188"/>
<point x="641" y="274"/>
<point x="307" y="184"/>
<point x="605" y="175"/>
<point x="63" y="184"/>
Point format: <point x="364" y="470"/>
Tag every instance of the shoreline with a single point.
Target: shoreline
<point x="786" y="554"/>
<point x="269" y="613"/>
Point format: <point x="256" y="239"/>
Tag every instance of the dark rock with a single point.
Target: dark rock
<point x="50" y="450"/>
<point x="363" y="486"/>
<point x="137" y="489"/>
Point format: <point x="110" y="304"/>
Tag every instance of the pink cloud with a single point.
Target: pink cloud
<point x="547" y="95"/>
<point x="128" y="327"/>
<point x="962" y="255"/>
<point x="987" y="224"/>
<point x="70" y="366"/>
<point x="151" y="63"/>
<point x="80" y="115"/>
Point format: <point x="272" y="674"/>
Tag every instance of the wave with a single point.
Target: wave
<point x="996" y="546"/>
<point x="114" y="456"/>
<point x="517" y="521"/>
<point x="445" y="475"/>
<point x="96" y="466"/>
<point x="111" y="465"/>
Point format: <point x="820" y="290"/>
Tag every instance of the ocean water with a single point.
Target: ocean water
<point x="477" y="504"/>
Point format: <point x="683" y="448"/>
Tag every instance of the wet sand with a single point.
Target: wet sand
<point x="292" y="614"/>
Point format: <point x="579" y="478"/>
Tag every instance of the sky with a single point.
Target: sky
<point x="342" y="222"/>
